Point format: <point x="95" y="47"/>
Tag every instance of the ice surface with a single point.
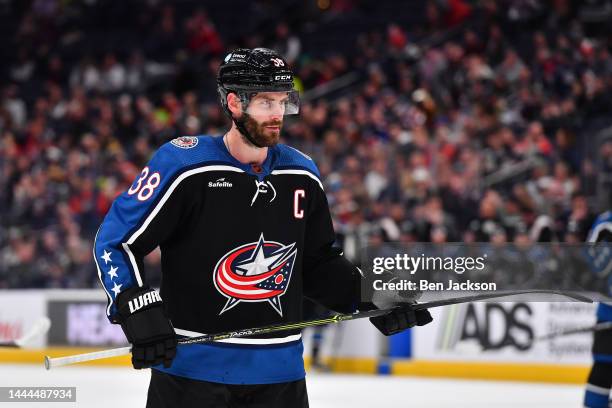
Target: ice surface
<point x="103" y="387"/>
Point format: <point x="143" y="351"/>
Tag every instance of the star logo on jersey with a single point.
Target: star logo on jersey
<point x="255" y="272"/>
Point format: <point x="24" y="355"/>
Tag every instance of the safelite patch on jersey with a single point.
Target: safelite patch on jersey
<point x="255" y="272"/>
<point x="185" y="142"/>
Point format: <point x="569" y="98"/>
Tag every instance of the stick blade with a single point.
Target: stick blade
<point x="39" y="328"/>
<point x="501" y="294"/>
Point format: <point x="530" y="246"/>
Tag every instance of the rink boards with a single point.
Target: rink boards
<point x="481" y="340"/>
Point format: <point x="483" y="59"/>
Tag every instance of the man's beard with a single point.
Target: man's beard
<point x="258" y="132"/>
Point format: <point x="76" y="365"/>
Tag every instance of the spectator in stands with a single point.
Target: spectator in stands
<point x="426" y="146"/>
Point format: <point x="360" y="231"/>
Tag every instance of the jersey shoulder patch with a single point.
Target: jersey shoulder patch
<point x="185" y="142"/>
<point x="290" y="157"/>
<point x="193" y="150"/>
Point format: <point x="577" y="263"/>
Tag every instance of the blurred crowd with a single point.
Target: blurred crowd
<point x="484" y="124"/>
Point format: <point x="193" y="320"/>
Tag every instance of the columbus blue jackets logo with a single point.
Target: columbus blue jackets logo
<point x="185" y="142"/>
<point x="255" y="272"/>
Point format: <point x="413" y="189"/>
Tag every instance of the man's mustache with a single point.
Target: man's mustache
<point x="273" y="123"/>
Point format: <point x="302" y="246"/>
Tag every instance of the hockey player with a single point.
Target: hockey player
<point x="245" y="233"/>
<point x="600" y="378"/>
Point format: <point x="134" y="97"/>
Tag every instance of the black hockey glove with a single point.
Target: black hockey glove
<point x="144" y="322"/>
<point x="400" y="320"/>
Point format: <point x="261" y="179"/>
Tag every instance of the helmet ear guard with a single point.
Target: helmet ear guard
<point x="223" y="94"/>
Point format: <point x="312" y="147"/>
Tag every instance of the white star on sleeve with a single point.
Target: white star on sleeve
<point x="113" y="272"/>
<point x="106" y="257"/>
<point x="116" y="289"/>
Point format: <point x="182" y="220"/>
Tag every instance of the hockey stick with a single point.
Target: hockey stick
<point x="207" y="338"/>
<point x="40" y="327"/>
<point x="595" y="328"/>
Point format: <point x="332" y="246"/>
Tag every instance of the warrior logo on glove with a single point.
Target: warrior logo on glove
<point x="143" y="300"/>
<point x="255" y="272"/>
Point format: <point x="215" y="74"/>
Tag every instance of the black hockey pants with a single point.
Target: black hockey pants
<point x="170" y="391"/>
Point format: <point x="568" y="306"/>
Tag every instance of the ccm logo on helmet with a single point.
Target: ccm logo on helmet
<point x="144" y="300"/>
<point x="281" y="77"/>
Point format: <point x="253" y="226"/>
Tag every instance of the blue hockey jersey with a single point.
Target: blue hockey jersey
<point x="603" y="227"/>
<point x="240" y="249"/>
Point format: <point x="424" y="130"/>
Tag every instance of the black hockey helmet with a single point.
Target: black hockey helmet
<point x="247" y="72"/>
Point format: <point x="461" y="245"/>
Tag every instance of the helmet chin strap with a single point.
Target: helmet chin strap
<point x="242" y="129"/>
